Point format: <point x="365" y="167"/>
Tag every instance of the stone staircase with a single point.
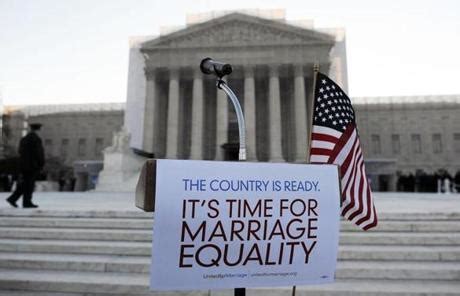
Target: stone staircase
<point x="101" y="253"/>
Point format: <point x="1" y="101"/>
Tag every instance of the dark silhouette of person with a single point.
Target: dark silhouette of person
<point x="31" y="162"/>
<point x="457" y="181"/>
<point x="410" y="183"/>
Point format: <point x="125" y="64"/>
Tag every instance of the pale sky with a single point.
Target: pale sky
<point x="76" y="51"/>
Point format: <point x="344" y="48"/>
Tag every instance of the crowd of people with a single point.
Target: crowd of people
<point x="440" y="181"/>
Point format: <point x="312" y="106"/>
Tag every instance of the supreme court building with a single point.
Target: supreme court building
<point x="174" y="111"/>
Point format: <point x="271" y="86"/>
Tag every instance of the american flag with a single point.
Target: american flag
<point x="335" y="141"/>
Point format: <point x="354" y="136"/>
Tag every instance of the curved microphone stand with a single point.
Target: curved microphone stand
<point x="209" y="66"/>
<point x="221" y="84"/>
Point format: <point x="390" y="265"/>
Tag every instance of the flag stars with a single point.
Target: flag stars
<point x="333" y="108"/>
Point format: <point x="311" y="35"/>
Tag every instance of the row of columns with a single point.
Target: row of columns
<point x="222" y="108"/>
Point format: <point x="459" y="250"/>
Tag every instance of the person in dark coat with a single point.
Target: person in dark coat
<point x="31" y="162"/>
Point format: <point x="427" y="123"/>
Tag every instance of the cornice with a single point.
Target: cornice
<point x="236" y="30"/>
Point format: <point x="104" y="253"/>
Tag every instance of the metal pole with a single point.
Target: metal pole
<point x="242" y="133"/>
<point x="239" y="115"/>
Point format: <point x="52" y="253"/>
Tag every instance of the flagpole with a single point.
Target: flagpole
<point x="310" y="106"/>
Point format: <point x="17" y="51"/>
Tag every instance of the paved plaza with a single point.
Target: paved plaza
<point x="386" y="203"/>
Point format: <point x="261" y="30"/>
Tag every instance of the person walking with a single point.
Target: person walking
<point x="31" y="162"/>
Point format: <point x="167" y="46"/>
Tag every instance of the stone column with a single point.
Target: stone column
<point x="250" y="112"/>
<point x="197" y="116"/>
<point x="149" y="116"/>
<point x="300" y="115"/>
<point x="173" y="115"/>
<point x="274" y="111"/>
<point x="222" y="123"/>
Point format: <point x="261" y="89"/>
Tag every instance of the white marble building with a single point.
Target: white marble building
<point x="174" y="111"/>
<point x="406" y="134"/>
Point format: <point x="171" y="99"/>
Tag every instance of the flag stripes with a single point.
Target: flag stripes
<point x="335" y="140"/>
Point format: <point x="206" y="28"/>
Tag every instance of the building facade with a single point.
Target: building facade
<point x="174" y="111"/>
<point x="70" y="132"/>
<point x="408" y="135"/>
<point x="74" y="136"/>
<point x="399" y="135"/>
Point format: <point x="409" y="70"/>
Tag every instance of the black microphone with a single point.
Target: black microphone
<point x="209" y="66"/>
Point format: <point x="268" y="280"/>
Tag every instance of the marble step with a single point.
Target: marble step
<point x="76" y="247"/>
<point x="407" y="226"/>
<point x="346" y="252"/>
<point x="146" y="224"/>
<point x="74" y="282"/>
<point x="58" y="222"/>
<point x="399" y="253"/>
<point x="137" y="284"/>
<point x="398" y="270"/>
<point x="366" y="288"/>
<point x="77" y="234"/>
<point x="27" y="213"/>
<point x="400" y="238"/>
<point x="75" y="262"/>
<point x="34" y="293"/>
<point x="39" y="213"/>
<point x="140" y="264"/>
<point x="372" y="238"/>
<point x="417" y="216"/>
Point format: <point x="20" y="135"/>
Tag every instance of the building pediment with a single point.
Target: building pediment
<point x="238" y="29"/>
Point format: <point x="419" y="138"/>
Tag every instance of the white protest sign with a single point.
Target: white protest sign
<point x="234" y="224"/>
